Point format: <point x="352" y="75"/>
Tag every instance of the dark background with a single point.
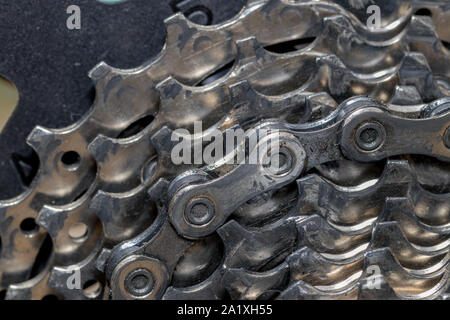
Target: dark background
<point x="49" y="63"/>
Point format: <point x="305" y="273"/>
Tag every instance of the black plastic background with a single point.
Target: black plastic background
<point x="49" y="63"/>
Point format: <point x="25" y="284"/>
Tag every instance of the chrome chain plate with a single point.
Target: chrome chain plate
<point x="358" y="207"/>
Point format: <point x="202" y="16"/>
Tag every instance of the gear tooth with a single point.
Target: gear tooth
<point x="336" y="24"/>
<point x="390" y="205"/>
<point x="327" y="238"/>
<point x="239" y="92"/>
<point x="169" y="89"/>
<point x="390" y="235"/>
<point x="100" y="71"/>
<point x="306" y="262"/>
<point x="59" y="277"/>
<point x="178" y="19"/>
<point x="320" y="98"/>
<point x="176" y="26"/>
<point x="101" y="204"/>
<point x="33" y="289"/>
<point x="231" y="233"/>
<point x="412" y="63"/>
<point x="414" y="70"/>
<point x="244" y="284"/>
<point x="300" y="289"/>
<point x="157" y="189"/>
<point x="100" y="147"/>
<point x="415" y="60"/>
<point x="37" y="138"/>
<point x="390" y="267"/>
<point x="366" y="292"/>
<point x="247" y="49"/>
<point x="105" y="205"/>
<point x="379" y="257"/>
<point x="51" y="218"/>
<point x="162" y="138"/>
<point x="405" y="96"/>
<point x="338" y="75"/>
<point x="421" y="26"/>
<point x="114" y="211"/>
<point x="211" y="289"/>
<point x="397" y="171"/>
<point x="102" y="259"/>
<point x="322" y="101"/>
<point x="332" y="61"/>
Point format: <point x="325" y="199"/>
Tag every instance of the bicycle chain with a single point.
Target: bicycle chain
<point x="361" y="118"/>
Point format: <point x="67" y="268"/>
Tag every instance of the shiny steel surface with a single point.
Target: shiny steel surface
<point x="360" y="209"/>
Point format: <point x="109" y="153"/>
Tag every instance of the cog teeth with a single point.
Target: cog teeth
<point x="316" y="233"/>
<point x="431" y="209"/>
<point x="335" y="234"/>
<point x="100" y="147"/>
<point x="159" y="188"/>
<point x="339" y="77"/>
<point x="413" y="60"/>
<point x="315" y="269"/>
<point x="335" y="25"/>
<point x="322" y="98"/>
<point x="421" y="26"/>
<point x="100" y="71"/>
<point x="247" y="102"/>
<point x="400" y="210"/>
<point x="210" y="289"/>
<point x="414" y="70"/>
<point x="39" y="138"/>
<point x="406" y="96"/>
<point x="383" y="261"/>
<point x="389" y="235"/>
<point x="248" y="49"/>
<point x="67" y="280"/>
<point x="123" y="215"/>
<point x="242" y="97"/>
<point x="102" y="259"/>
<point x="116" y="172"/>
<point x="305" y="291"/>
<point x="243" y="284"/>
<point x="51" y="219"/>
<point x="243" y="245"/>
<point x="33" y="289"/>
<point x="169" y="89"/>
<point x="241" y="92"/>
<point x="162" y="141"/>
<point x="333" y="62"/>
<point x="373" y="280"/>
<point x="179" y="30"/>
<point x="340" y="206"/>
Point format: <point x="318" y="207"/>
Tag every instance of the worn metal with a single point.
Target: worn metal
<point x="358" y="206"/>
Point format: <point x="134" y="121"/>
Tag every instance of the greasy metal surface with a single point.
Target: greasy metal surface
<point x="361" y="117"/>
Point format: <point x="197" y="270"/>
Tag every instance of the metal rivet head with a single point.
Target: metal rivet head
<point x="199" y="211"/>
<point x="370" y="136"/>
<point x="280" y="162"/>
<point x="139" y="282"/>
